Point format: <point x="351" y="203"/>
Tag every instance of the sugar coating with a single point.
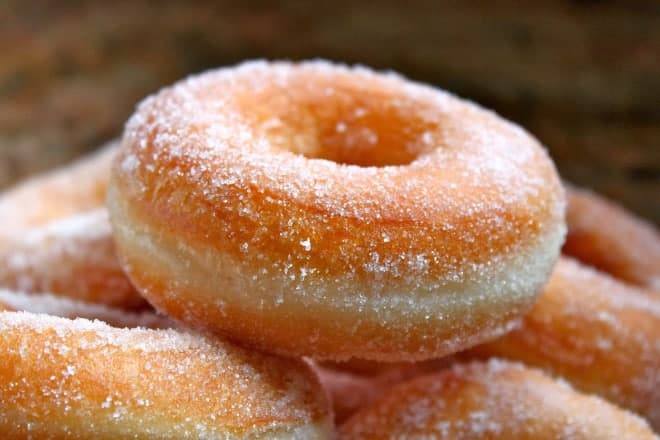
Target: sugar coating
<point x="74" y="256"/>
<point x="316" y="188"/>
<point x="77" y="187"/>
<point x="81" y="378"/>
<point x="47" y="303"/>
<point x="495" y="400"/>
<point x="598" y="333"/>
<point x="625" y="246"/>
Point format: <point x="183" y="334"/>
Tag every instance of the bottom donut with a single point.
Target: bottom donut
<point x="78" y="379"/>
<point x="493" y="400"/>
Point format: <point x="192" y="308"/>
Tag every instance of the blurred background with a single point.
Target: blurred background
<point x="582" y="76"/>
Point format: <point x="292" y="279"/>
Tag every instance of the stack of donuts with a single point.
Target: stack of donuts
<point x="314" y="251"/>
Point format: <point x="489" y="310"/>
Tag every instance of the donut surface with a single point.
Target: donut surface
<point x="606" y="236"/>
<point x="494" y="400"/>
<point x="73" y="188"/>
<point x="79" y="379"/>
<point x="74" y="257"/>
<point x="599" y="334"/>
<point x="333" y="212"/>
<point x="55" y="305"/>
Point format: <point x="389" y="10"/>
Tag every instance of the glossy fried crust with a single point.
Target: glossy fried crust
<point x="349" y="213"/>
<point x="78" y="379"/>
<point x="73" y="257"/>
<point x="78" y="187"/>
<point x="46" y="303"/>
<point x="601" y="335"/>
<point x="606" y="236"/>
<point x="494" y="400"/>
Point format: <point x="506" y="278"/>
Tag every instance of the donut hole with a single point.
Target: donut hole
<point x="350" y="127"/>
<point x="367" y="138"/>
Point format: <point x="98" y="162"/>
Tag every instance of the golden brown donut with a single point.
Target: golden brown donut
<point x="333" y="212"/>
<point x="79" y="379"/>
<point x="606" y="236"/>
<point x="73" y="257"/>
<point x="599" y="334"/>
<point x="77" y="187"/>
<point x="494" y="400"/>
<point x="46" y="303"/>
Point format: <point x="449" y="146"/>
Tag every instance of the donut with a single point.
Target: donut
<point x="77" y="187"/>
<point x="601" y="335"/>
<point x="46" y="303"/>
<point x="493" y="400"/>
<point x="63" y="378"/>
<point x="73" y="257"/>
<point x="606" y="236"/>
<point x="318" y="210"/>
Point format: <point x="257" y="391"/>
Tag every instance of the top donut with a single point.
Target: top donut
<point x="334" y="212"/>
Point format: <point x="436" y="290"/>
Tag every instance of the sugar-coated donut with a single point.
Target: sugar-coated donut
<point x="333" y="212"/>
<point x="65" y="191"/>
<point x="600" y="334"/>
<point x="76" y="379"/>
<point x="46" y="303"/>
<point x="606" y="236"/>
<point x="494" y="400"/>
<point x="74" y="257"/>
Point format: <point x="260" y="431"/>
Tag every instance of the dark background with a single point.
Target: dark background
<point x="583" y="76"/>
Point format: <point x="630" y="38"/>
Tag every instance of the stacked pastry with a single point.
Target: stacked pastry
<point x="316" y="251"/>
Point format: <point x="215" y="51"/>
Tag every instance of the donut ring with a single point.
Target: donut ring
<point x="77" y="187"/>
<point x="599" y="334"/>
<point x="73" y="257"/>
<point x="606" y="236"/>
<point x="494" y="400"/>
<point x="46" y="303"/>
<point x="313" y="209"/>
<point x="63" y="378"/>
